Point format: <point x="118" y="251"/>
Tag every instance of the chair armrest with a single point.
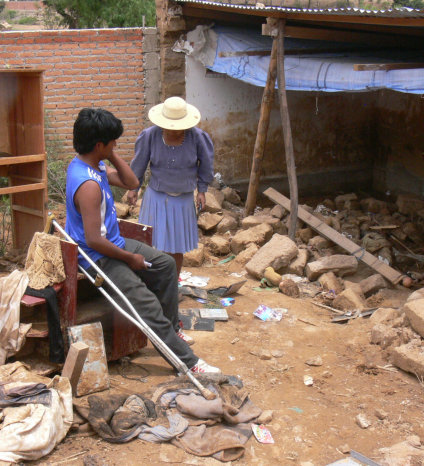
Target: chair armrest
<point x="136" y="231"/>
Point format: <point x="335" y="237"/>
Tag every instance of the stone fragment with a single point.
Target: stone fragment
<point x="121" y="209"/>
<point x="231" y="195"/>
<point x="195" y="257"/>
<point x="213" y="201"/>
<point x="244" y="256"/>
<point x="381" y="414"/>
<point x="228" y="223"/>
<point x="265" y="417"/>
<point x="258" y="235"/>
<point x="418" y="294"/>
<point x="356" y="287"/>
<point x="298" y="264"/>
<point x="345" y="449"/>
<point x="219" y="245"/>
<point x="409" y="357"/>
<point x="372" y="284"/>
<point x="340" y="200"/>
<point x="276" y="253"/>
<point x="384" y="336"/>
<point x="349" y="300"/>
<point x="414" y="311"/>
<point x="384" y="315"/>
<point x="405" y="453"/>
<point x="319" y="243"/>
<point x="409" y="204"/>
<point x="289" y="288"/>
<point x="305" y="234"/>
<point x="315" y="361"/>
<point x="373" y="205"/>
<point x="329" y="281"/>
<point x="254" y="220"/>
<point x="362" y="421"/>
<point x="277" y="353"/>
<point x="208" y="221"/>
<point x="278" y="211"/>
<point x="339" y="264"/>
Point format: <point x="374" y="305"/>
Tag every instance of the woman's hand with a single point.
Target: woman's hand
<point x="200" y="201"/>
<point x="132" y="197"/>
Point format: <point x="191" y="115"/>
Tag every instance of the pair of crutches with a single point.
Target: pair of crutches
<point x="135" y="319"/>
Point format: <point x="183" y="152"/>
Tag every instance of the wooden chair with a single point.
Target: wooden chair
<point x="121" y="336"/>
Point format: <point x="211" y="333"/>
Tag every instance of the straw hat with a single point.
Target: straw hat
<point x="175" y="113"/>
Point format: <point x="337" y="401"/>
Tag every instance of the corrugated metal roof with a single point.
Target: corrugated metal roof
<point x="384" y="13"/>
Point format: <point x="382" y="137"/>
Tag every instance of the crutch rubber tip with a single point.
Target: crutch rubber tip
<point x="208" y="394"/>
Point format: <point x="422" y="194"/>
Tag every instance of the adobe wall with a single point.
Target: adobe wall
<point x="116" y="69"/>
<point x="23" y="6"/>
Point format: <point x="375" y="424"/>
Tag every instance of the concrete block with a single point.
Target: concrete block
<point x="276" y="253"/>
<point x="414" y="311"/>
<point x="340" y="264"/>
<point x="409" y="357"/>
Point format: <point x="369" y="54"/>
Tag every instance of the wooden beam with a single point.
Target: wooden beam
<point x="327" y="232"/>
<point x="22" y="188"/>
<point x="15" y="160"/>
<point x="386" y="66"/>
<point x="263" y="125"/>
<point x="288" y="141"/>
<point x="249" y="53"/>
<point x="28" y="210"/>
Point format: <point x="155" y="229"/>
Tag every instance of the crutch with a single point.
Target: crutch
<point x="138" y="321"/>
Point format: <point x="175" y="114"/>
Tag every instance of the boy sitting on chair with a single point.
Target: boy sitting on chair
<point x="92" y="222"/>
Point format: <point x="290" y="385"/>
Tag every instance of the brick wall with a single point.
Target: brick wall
<point x="23" y="6"/>
<point x="89" y="68"/>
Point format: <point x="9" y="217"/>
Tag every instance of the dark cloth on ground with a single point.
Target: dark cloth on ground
<point x="217" y="428"/>
<point x="20" y="393"/>
<point x="56" y="345"/>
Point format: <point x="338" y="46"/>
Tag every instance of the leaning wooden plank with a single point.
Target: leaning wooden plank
<point x="327" y="232"/>
<point x="74" y="363"/>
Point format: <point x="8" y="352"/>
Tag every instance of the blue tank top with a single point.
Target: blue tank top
<point x="78" y="173"/>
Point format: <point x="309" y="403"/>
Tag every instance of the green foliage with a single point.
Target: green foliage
<point x="80" y="14"/>
<point x="5" y="222"/>
<point x="417" y="4"/>
<point x="57" y="164"/>
<point x="28" y="20"/>
<point x="10" y="14"/>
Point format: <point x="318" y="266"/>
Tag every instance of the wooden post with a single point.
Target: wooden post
<point x="261" y="134"/>
<point x="288" y="142"/>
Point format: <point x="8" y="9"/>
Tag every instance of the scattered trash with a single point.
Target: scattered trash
<point x="192" y="320"/>
<point x="238" y="275"/>
<point x="215" y="314"/>
<point x="262" y="434"/>
<point x="193" y="292"/>
<point x="296" y="409"/>
<point x="308" y="380"/>
<point x="265" y="313"/>
<point x="227" y="290"/>
<point x="231" y="358"/>
<point x="186" y="278"/>
<point x="227" y="302"/>
<point x="264" y="284"/>
<point x="264" y="288"/>
<point x="227" y="259"/>
<point x="235" y="340"/>
<point x="201" y="300"/>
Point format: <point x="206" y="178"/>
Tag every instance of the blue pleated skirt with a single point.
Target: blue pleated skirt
<point x="173" y="219"/>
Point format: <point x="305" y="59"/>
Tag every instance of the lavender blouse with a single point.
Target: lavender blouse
<point x="174" y="169"/>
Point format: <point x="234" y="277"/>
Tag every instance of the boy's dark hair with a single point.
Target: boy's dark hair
<point x="95" y="125"/>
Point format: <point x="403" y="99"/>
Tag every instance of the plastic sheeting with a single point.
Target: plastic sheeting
<point x="319" y="72"/>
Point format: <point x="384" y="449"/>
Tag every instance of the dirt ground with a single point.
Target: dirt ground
<point x="311" y="424"/>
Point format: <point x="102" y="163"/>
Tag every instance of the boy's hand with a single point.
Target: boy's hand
<point x="136" y="262"/>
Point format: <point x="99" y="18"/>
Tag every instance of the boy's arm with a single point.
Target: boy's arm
<point x="121" y="174"/>
<point x="88" y="201"/>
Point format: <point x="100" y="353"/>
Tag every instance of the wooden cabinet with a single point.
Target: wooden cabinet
<point x="22" y="151"/>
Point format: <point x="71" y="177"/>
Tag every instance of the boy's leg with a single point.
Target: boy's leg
<point x="147" y="304"/>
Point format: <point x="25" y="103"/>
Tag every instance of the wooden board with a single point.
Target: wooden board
<point x="327" y="232"/>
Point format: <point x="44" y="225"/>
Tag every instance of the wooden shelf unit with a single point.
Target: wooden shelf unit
<point x="22" y="151"/>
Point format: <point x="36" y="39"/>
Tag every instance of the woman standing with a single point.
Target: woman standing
<point x="181" y="160"/>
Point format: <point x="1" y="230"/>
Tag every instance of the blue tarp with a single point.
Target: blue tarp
<point x="318" y="72"/>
